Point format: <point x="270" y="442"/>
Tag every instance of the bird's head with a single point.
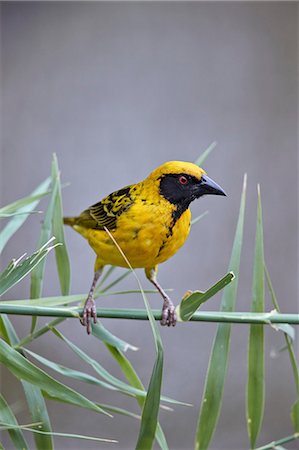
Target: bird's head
<point x="182" y="182"/>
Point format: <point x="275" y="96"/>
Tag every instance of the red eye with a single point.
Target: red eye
<point x="183" y="180"/>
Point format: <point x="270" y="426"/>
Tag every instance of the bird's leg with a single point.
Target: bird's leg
<point x="168" y="309"/>
<point x="89" y="310"/>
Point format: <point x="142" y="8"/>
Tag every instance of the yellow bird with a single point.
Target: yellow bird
<point x="149" y="220"/>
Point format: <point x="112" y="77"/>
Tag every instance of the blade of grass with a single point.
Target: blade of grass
<point x="198" y="218"/>
<point x="100" y="370"/>
<point x="108" y="408"/>
<point x="205" y="154"/>
<point x="99" y="331"/>
<point x="35" y="400"/>
<point x="67" y="435"/>
<point x="191" y="303"/>
<point x="67" y="299"/>
<point x="217" y="368"/>
<point x="71" y="373"/>
<point x="62" y="258"/>
<point x="135" y="381"/>
<point x="106" y="275"/>
<point x="18" y="269"/>
<point x="7" y="417"/>
<point x="150" y="412"/>
<point x="37" y="333"/>
<point x="6" y="216"/>
<point x="294" y="364"/>
<point x="255" y="394"/>
<point x="7" y="330"/>
<point x="13" y="208"/>
<point x="25" y="370"/>
<point x="17" y="221"/>
<point x="38" y="272"/>
<point x="113" y="283"/>
<point x="295" y="415"/>
<point x="275" y="445"/>
<point x="39" y="413"/>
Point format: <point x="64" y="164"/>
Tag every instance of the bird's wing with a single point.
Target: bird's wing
<point x="105" y="213"/>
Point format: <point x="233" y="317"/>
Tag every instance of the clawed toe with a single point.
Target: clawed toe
<point x="89" y="313"/>
<point x="168" y="315"/>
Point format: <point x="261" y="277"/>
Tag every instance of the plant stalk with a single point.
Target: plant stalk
<point x="141" y="314"/>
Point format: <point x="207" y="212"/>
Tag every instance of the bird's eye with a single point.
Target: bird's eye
<point x="183" y="180"/>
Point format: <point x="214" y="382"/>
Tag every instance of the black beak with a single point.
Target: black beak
<point x="208" y="186"/>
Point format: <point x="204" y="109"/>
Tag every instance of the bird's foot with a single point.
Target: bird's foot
<point x="168" y="313"/>
<point x="89" y="313"/>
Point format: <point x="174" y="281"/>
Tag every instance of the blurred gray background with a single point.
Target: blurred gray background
<point x="116" y="89"/>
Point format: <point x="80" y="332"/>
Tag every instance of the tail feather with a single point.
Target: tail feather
<point x="71" y="221"/>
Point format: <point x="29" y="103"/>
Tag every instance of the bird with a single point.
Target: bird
<point x="149" y="221"/>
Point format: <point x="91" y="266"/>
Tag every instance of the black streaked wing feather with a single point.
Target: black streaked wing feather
<point x="105" y="213"/>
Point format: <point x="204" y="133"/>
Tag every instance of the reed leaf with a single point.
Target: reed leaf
<point x="192" y="302"/>
<point x="201" y="159"/>
<point x="39" y="413"/>
<point x="24" y="207"/>
<point x="100" y="332"/>
<point x="132" y="377"/>
<point x="150" y="411"/>
<point x="100" y="370"/>
<point x="289" y="338"/>
<point x="71" y="373"/>
<point x="8" y="418"/>
<point x="34" y="397"/>
<point x="62" y="258"/>
<point x="216" y="372"/>
<point x="255" y="393"/>
<point x="25" y="370"/>
<point x="18" y="269"/>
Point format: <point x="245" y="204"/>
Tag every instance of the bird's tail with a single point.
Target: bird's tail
<point x="71" y="221"/>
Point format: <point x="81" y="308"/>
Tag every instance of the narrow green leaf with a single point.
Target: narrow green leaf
<point x="7" y="417"/>
<point x="198" y="218"/>
<point x="99" y="288"/>
<point x="274" y="445"/>
<point x="149" y="418"/>
<point x="17" y="221"/>
<point x="191" y="303"/>
<point x="35" y="401"/>
<point x="39" y="332"/>
<point x="4" y="216"/>
<point x="18" y="269"/>
<point x="39" y="413"/>
<point x="295" y="415"/>
<point x="150" y="412"/>
<point x="99" y="331"/>
<point x="100" y="370"/>
<point x="106" y="275"/>
<point x="25" y="370"/>
<point x="286" y="329"/>
<point x="255" y="397"/>
<point x="205" y="154"/>
<point x="71" y="373"/>
<point x="67" y="435"/>
<point x="14" y="208"/>
<point x="62" y="258"/>
<point x="38" y="273"/>
<point x="287" y="337"/>
<point x="134" y="380"/>
<point x="7" y="330"/>
<point x="216" y="373"/>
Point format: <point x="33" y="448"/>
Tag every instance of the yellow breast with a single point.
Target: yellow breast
<point x="147" y="234"/>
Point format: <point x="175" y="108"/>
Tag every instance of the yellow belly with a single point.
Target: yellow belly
<point x="145" y="236"/>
